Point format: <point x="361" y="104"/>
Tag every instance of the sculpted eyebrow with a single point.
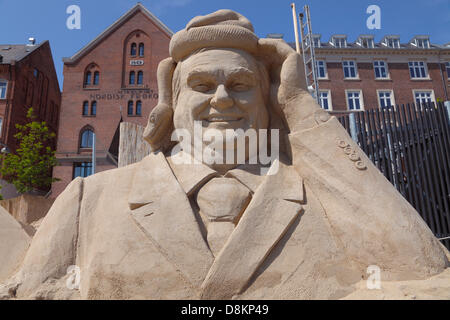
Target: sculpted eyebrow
<point x="244" y="74"/>
<point x="200" y="73"/>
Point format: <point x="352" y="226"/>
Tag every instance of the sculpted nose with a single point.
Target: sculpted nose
<point x="222" y="99"/>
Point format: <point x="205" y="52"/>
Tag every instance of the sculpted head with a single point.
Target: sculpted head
<point x="217" y="75"/>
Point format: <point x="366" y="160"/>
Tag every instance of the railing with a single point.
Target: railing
<point x="410" y="145"/>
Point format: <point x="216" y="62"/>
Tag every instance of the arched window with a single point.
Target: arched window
<point x="85" y="108"/>
<point x="132" y="76"/>
<point x="87" y="78"/>
<point x="139" y="108"/>
<point x="133" y="49"/>
<point x="93" y="108"/>
<point x="87" y="139"/>
<point x="141" y="49"/>
<point x="96" y="78"/>
<point x="140" y="78"/>
<point x="130" y="108"/>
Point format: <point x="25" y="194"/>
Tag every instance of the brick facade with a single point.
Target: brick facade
<point x="110" y="55"/>
<point x="31" y="82"/>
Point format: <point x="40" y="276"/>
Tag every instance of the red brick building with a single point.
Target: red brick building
<point x="365" y="74"/>
<point x="111" y="79"/>
<point x="27" y="79"/>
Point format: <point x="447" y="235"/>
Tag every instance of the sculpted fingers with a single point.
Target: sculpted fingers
<point x="159" y="123"/>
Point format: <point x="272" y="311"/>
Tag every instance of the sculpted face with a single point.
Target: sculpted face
<point x="222" y="89"/>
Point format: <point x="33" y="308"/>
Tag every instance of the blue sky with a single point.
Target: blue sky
<point x="46" y="19"/>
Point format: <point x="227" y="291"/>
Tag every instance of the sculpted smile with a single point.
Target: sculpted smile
<point x="222" y="118"/>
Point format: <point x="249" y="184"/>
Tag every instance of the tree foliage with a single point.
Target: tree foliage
<point x="29" y="168"/>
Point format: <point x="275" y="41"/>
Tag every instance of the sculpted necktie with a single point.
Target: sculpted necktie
<point x="222" y="201"/>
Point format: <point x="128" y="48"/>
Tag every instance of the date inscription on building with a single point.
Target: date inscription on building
<point x="136" y="62"/>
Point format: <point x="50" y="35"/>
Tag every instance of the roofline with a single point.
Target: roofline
<point x="35" y="47"/>
<point x="114" y="26"/>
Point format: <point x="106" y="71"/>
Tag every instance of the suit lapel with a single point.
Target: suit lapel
<point x="273" y="208"/>
<point x="161" y="209"/>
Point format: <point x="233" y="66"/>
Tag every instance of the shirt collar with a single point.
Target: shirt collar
<point x="192" y="174"/>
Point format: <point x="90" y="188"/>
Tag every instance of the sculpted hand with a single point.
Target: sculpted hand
<point x="288" y="93"/>
<point x="160" y="119"/>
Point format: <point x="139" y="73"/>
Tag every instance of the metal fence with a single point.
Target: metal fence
<point x="410" y="145"/>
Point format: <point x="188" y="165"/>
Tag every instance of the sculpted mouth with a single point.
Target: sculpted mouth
<point x="222" y="118"/>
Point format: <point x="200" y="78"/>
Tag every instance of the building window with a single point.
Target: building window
<point x="423" y="43"/>
<point x="380" y="68"/>
<point x="393" y="42"/>
<point x="94" y="108"/>
<point x="425" y="96"/>
<point x="354" y="100"/>
<point x="417" y="70"/>
<point x="85" y="108"/>
<point x="141" y="49"/>
<point x="447" y="66"/>
<point x="87" y="139"/>
<point x="133" y="49"/>
<point x="385" y="98"/>
<point x="82" y="169"/>
<point x="140" y="77"/>
<point x="3" y="86"/>
<point x="366" y="42"/>
<point x="340" y="42"/>
<point x="325" y="100"/>
<point x="96" y="78"/>
<point x="132" y="77"/>
<point x="138" y="108"/>
<point x="36" y="73"/>
<point x="321" y="69"/>
<point x="349" y="69"/>
<point x="87" y="78"/>
<point x="316" y="41"/>
<point x="130" y="108"/>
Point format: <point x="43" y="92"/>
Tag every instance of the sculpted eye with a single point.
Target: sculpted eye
<point x="201" y="87"/>
<point x="239" y="87"/>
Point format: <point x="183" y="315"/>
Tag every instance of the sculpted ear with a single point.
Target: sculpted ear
<point x="160" y="124"/>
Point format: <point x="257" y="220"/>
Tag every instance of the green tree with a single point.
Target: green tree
<point x="29" y="168"/>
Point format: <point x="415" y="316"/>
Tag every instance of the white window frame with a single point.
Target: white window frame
<point x="391" y="97"/>
<point x="425" y="66"/>
<point x="447" y="68"/>
<point x="1" y="124"/>
<point x="367" y="42"/>
<point x="325" y="69"/>
<point x="394" y="41"/>
<point x="355" y="65"/>
<point x="385" y="66"/>
<point x="422" y="43"/>
<point x="431" y="91"/>
<point x="316" y="38"/>
<point x="330" y="103"/>
<point x="339" y="40"/>
<point x="361" y="99"/>
<point x="6" y="89"/>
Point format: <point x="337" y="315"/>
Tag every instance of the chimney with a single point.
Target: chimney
<point x="31" y="41"/>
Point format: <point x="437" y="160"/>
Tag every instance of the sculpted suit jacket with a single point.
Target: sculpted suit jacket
<point x="309" y="232"/>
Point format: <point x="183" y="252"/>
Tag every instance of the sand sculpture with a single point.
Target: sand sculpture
<point x="165" y="229"/>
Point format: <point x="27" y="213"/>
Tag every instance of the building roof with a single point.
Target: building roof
<point x="16" y="52"/>
<point x="377" y="45"/>
<point x="138" y="7"/>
